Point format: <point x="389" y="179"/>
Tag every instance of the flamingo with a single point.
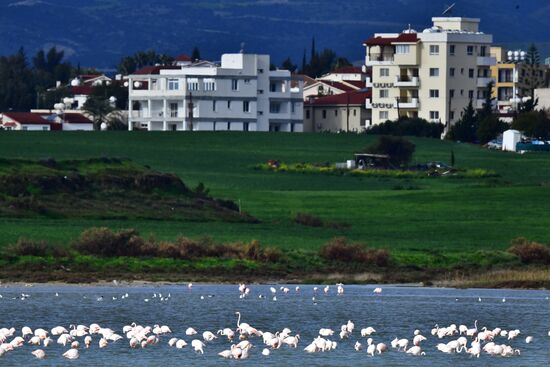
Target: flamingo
<point x="71" y="354"/>
<point x="198" y="346"/>
<point x="39" y="353"/>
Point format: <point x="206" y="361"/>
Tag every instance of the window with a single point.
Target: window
<point x="384" y="93"/>
<point x="471" y="73"/>
<point x="402" y="49"/>
<point x="434" y="93"/>
<point x="452" y="72"/>
<point x="470" y="50"/>
<point x="228" y="105"/>
<point x="246" y="106"/>
<point x="434" y="71"/>
<point x="209" y="85"/>
<point x="324" y="114"/>
<point x="451" y="93"/>
<point x="354" y="112"/>
<point x="307" y="114"/>
<point x="234" y="84"/>
<point x="383" y="115"/>
<point x="247" y="81"/>
<point x="471" y="94"/>
<point x="273" y="87"/>
<point x="384" y="72"/>
<point x="174" y="84"/>
<point x="461" y="71"/>
<point x="434" y="50"/>
<point x="214" y="106"/>
<point x="335" y="113"/>
<point x="173" y="110"/>
<point x="434" y="115"/>
<point x="275" y="107"/>
<point x="452" y="50"/>
<point x="192" y="85"/>
<point x="452" y="115"/>
<point x="260" y="71"/>
<point x="462" y="92"/>
<point x="483" y="51"/>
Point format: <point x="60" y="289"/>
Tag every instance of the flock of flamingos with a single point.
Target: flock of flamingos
<point x="473" y="341"/>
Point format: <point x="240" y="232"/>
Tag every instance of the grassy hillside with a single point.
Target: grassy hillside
<point x="430" y="215"/>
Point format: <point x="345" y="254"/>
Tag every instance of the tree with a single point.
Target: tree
<point x="106" y="91"/>
<point x="288" y="65"/>
<point x="340" y="63"/>
<point x="489" y="128"/>
<point x="535" y="124"/>
<point x="488" y="103"/>
<point x="196" y="54"/>
<point x="408" y="127"/>
<point x="533" y="67"/>
<point x="304" y="63"/>
<point x="400" y="150"/>
<point x="130" y="64"/>
<point x="465" y="129"/>
<point x="99" y="109"/>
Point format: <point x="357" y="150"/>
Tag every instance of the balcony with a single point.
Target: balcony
<point x="406" y="103"/>
<point x="368" y="82"/>
<point x="407" y="81"/>
<point x="484" y="82"/>
<point x="379" y="59"/>
<point x="486" y="61"/>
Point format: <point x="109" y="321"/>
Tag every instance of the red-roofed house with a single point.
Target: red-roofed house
<point x="346" y="74"/>
<point x="338" y="112"/>
<point x="24" y="121"/>
<point x="183" y="60"/>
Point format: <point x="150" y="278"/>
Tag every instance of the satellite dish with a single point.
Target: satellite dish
<point x="137" y="84"/>
<point x="75" y="82"/>
<point x="103" y="126"/>
<point x="59" y="106"/>
<point x="126" y="84"/>
<point x="112" y="99"/>
<point x="68" y="101"/>
<point x="449" y="9"/>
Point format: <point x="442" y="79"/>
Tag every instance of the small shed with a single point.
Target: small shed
<point x="364" y="161"/>
<point x="510" y="138"/>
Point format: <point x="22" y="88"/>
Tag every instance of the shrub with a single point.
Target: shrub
<point x="107" y="243"/>
<point x="339" y="249"/>
<point x="530" y="252"/>
<point x="400" y="150"/>
<point x="28" y="247"/>
<point x="408" y="126"/>
<point x="535" y="124"/>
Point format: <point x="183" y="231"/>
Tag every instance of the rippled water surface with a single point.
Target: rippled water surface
<point x="397" y="312"/>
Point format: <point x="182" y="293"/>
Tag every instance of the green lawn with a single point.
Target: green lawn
<point x="447" y="214"/>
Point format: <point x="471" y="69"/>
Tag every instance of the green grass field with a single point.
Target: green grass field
<point x="451" y="215"/>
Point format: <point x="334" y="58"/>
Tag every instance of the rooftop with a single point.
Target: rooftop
<point x="352" y="98"/>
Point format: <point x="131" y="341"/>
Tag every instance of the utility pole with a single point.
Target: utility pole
<point x="347" y="109"/>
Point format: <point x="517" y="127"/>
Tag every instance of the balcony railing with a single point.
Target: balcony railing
<point x="406" y="81"/>
<point x="380" y="57"/>
<point x="406" y="102"/>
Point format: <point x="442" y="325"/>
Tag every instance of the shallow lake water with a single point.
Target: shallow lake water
<point x="396" y="312"/>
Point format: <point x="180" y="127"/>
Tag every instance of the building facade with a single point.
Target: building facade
<point x="514" y="78"/>
<point x="241" y="94"/>
<point x="432" y="75"/>
<point x="339" y="112"/>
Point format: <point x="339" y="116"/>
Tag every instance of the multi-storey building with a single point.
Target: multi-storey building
<point x="241" y="94"/>
<point x="515" y="79"/>
<point x="432" y="74"/>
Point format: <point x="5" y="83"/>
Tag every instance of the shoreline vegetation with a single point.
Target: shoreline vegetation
<point x="214" y="217"/>
<point x="101" y="255"/>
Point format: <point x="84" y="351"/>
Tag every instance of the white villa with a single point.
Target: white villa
<point x="241" y="94"/>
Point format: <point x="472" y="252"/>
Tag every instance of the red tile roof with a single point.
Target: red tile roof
<point x="385" y="41"/>
<point x="82" y="90"/>
<point x="183" y="58"/>
<point x="340" y="86"/>
<point x="27" y="118"/>
<point x="357" y="83"/>
<point x="348" y="70"/>
<point x="352" y="98"/>
<point x="154" y="70"/>
<point x="76" y="118"/>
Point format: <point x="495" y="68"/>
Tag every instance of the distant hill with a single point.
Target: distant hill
<point x="99" y="32"/>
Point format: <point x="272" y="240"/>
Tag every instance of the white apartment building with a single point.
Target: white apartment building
<point x="431" y="74"/>
<point x="242" y="94"/>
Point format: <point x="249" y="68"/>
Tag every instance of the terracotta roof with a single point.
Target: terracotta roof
<point x="27" y="118"/>
<point x="348" y="70"/>
<point x="82" y="89"/>
<point x="183" y="58"/>
<point x="338" y="85"/>
<point x="352" y="98"/>
<point x="154" y="70"/>
<point x="76" y="118"/>
<point x="357" y="83"/>
<point x="384" y="41"/>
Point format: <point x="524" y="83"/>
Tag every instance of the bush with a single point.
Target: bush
<point x="400" y="150"/>
<point x="106" y="243"/>
<point x="339" y="249"/>
<point x="27" y="247"/>
<point x="408" y="127"/>
<point x="535" y="124"/>
<point x="489" y="128"/>
<point x="530" y="252"/>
